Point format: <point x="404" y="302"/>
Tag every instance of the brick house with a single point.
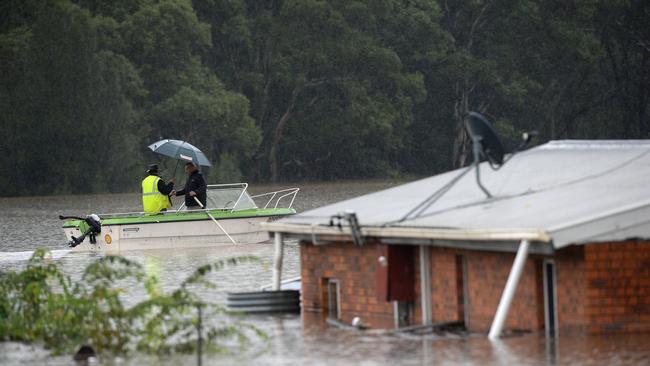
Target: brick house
<point x="562" y="246"/>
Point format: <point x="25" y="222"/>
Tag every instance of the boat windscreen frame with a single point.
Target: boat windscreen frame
<point x="245" y="186"/>
<point x="244" y="190"/>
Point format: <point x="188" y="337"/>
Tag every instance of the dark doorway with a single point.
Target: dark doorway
<point x="550" y="299"/>
<point x="462" y="299"/>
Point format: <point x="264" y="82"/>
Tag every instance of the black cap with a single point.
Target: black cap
<point x="153" y="168"/>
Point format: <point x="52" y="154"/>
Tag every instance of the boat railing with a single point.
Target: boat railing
<point x="274" y="200"/>
<point x="214" y="187"/>
<point x="277" y="196"/>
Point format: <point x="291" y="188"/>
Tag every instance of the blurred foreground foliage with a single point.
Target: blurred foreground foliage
<point x="42" y="304"/>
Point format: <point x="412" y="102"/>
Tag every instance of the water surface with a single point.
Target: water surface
<point x="32" y="222"/>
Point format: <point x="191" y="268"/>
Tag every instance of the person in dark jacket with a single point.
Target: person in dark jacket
<point x="194" y="187"/>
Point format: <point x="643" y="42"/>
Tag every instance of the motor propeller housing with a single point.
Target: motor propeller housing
<point x="94" y="228"/>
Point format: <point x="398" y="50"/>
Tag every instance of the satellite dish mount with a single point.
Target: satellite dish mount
<point x="485" y="142"/>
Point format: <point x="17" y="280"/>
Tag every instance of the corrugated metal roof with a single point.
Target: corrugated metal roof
<point x="574" y="191"/>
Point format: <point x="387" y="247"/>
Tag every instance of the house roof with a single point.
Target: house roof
<point x="563" y="192"/>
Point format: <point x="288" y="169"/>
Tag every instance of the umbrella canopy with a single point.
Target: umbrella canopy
<point x="180" y="150"/>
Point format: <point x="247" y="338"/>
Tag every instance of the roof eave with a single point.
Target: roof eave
<point x="446" y="234"/>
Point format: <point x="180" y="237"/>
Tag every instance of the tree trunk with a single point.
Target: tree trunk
<point x="463" y="89"/>
<point x="282" y="124"/>
<point x="643" y="97"/>
<point x="461" y="140"/>
<point x="278" y="134"/>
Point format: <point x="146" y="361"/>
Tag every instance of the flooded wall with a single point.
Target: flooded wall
<point x="597" y="288"/>
<point x="618" y="287"/>
<point x="354" y="268"/>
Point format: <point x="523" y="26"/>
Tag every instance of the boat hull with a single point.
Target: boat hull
<point x="173" y="235"/>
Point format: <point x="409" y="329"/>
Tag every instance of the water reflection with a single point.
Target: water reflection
<point x="29" y="223"/>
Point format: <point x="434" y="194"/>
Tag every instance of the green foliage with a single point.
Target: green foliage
<point x="162" y="40"/>
<point x="72" y="108"/>
<point x="42" y="304"/>
<point x="226" y="169"/>
<point x="215" y="119"/>
<point x="308" y="89"/>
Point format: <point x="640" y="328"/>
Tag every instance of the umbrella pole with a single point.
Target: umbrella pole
<point x="176" y="167"/>
<point x="177" y="159"/>
<point x="173" y="177"/>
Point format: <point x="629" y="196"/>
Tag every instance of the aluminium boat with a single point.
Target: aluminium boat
<point x="231" y="216"/>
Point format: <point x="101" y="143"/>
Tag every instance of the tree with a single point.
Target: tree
<point x="303" y="65"/>
<point x="62" y="105"/>
<point x="165" y="41"/>
<point x="623" y="30"/>
<point x="216" y="120"/>
<point x="310" y="89"/>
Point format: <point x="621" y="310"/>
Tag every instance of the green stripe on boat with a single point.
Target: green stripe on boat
<point x="187" y="216"/>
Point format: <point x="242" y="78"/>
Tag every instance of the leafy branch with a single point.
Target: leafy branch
<point x="42" y="304"/>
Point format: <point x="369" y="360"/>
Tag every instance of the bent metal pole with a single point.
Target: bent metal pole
<point x="215" y="221"/>
<point x="277" y="261"/>
<point x="509" y="291"/>
<point x="425" y="284"/>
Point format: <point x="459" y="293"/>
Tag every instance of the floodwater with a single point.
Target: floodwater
<point x="32" y="222"/>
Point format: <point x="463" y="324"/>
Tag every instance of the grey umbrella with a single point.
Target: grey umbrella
<point x="180" y="150"/>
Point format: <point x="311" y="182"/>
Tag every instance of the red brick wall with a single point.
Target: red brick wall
<point x="444" y="291"/>
<point x="600" y="287"/>
<point x="354" y="267"/>
<point x="570" y="288"/>
<point x="618" y="287"/>
<point x="487" y="275"/>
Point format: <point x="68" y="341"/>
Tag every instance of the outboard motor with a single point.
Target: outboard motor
<point x="94" y="228"/>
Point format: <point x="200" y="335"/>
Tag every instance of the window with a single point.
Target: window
<point x="403" y="313"/>
<point x="333" y="300"/>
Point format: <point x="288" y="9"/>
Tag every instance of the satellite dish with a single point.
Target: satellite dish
<point x="485" y="141"/>
<point x="483" y="134"/>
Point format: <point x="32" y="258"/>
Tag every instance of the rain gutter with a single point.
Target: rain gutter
<point x="333" y="233"/>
